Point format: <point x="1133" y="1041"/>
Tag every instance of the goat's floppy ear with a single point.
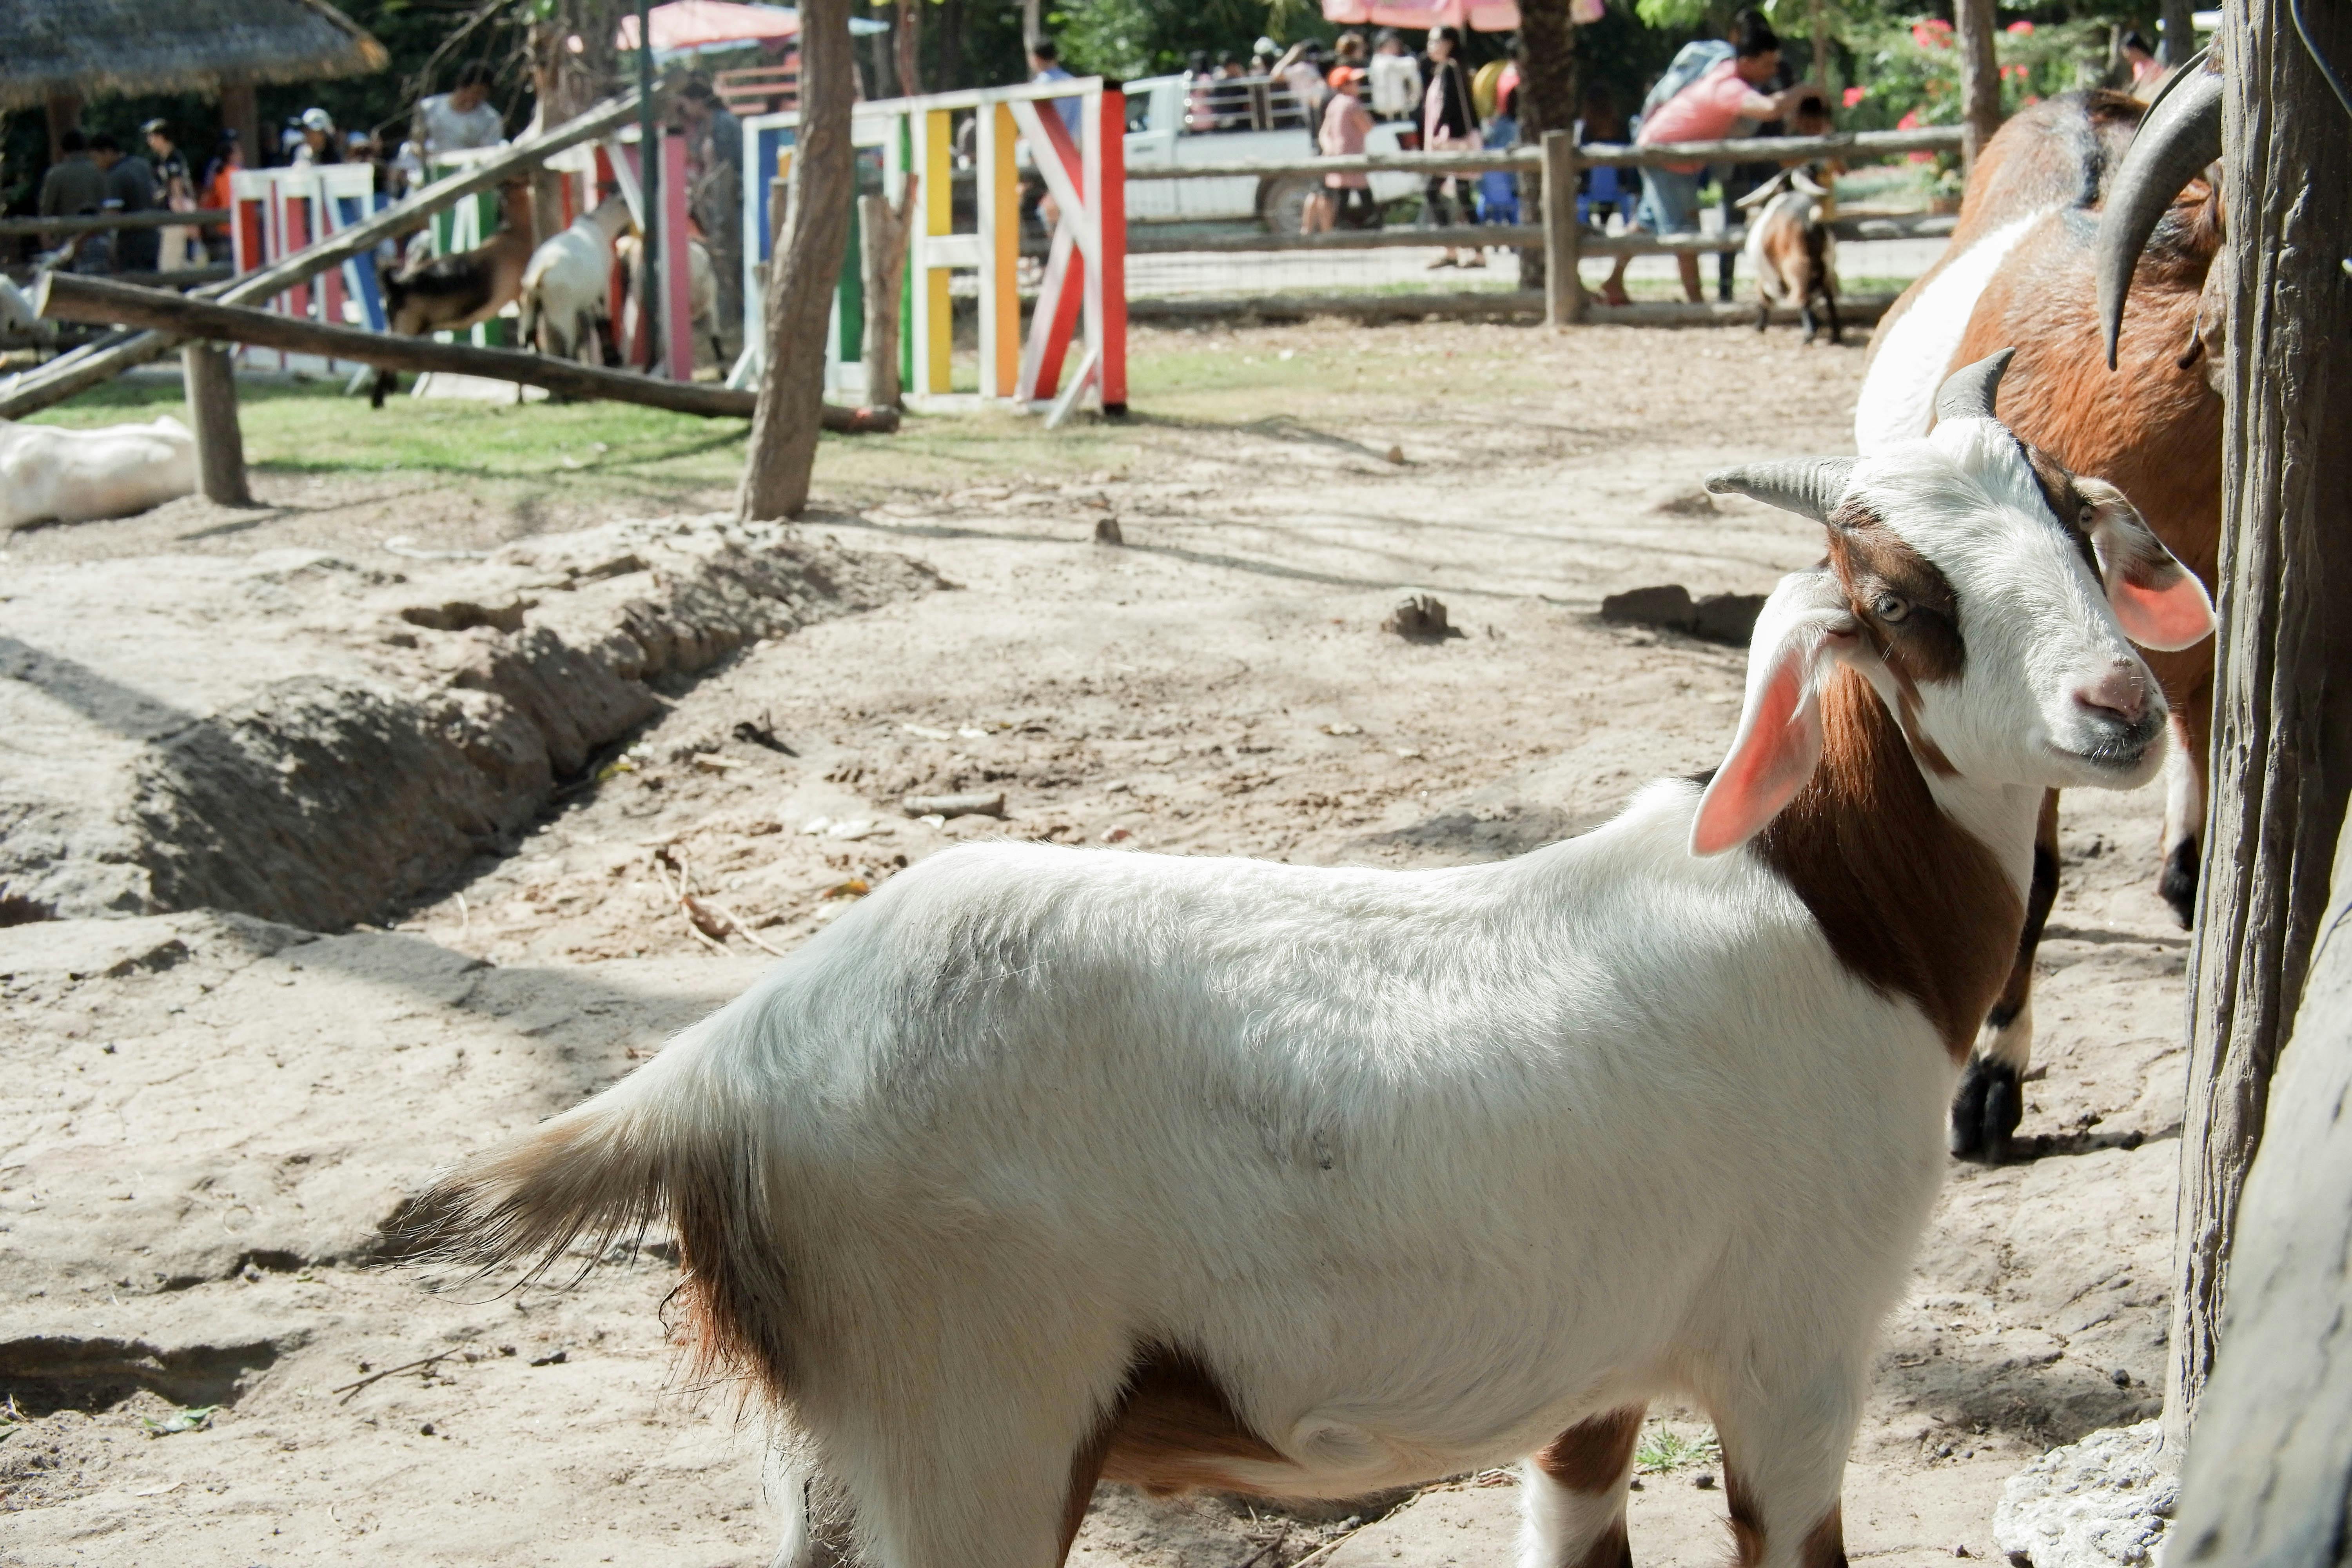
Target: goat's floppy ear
<point x="2159" y="601"/>
<point x="1801" y="627"/>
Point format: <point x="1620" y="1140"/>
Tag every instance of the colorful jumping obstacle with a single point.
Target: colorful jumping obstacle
<point x="1082" y="293"/>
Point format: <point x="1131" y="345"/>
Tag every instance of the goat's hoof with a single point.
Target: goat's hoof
<point x="2178" y="883"/>
<point x="1985" y="1110"/>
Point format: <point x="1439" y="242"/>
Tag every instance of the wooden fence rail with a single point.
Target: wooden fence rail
<point x="204" y="218"/>
<point x="1740" y="150"/>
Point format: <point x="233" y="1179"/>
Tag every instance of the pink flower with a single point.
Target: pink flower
<point x="1854" y="95"/>
<point x="1910" y="121"/>
<point x="2021" y="30"/>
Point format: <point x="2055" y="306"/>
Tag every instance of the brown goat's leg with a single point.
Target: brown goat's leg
<point x="2184" y="799"/>
<point x="1572" y="1496"/>
<point x="1991" y="1096"/>
<point x="1784" y="1467"/>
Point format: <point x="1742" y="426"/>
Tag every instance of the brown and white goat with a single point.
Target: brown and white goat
<point x="2025" y="266"/>
<point x="1790" y="251"/>
<point x="1045" y="1165"/>
<point x="450" y="293"/>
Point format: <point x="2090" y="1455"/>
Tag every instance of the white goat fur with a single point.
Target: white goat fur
<point x="702" y="283"/>
<point x="566" y="287"/>
<point x="1425" y="1168"/>
<point x="47" y="471"/>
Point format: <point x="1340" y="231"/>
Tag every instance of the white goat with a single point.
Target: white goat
<point x="1044" y="1165"/>
<point x="1790" y="250"/>
<point x="47" y="471"/>
<point x="567" y="287"/>
<point x="701" y="286"/>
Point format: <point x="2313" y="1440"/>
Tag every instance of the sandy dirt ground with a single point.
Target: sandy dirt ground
<point x="205" y="1120"/>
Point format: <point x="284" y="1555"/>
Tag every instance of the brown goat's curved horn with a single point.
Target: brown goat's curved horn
<point x="2178" y="136"/>
<point x="1809" y="487"/>
<point x="1968" y="392"/>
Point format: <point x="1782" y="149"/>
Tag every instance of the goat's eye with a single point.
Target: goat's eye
<point x="1890" y="608"/>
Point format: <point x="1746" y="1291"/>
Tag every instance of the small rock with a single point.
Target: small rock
<point x="2121" y="1375"/>
<point x="1107" y="532"/>
<point x="1115" y="834"/>
<point x="426" y="1430"/>
<point x="946" y="805"/>
<point x="1396" y="455"/>
<point x="1683" y="503"/>
<point x="2104" y="1502"/>
<point x="1704" y="1480"/>
<point x="1420" y="617"/>
<point x="553" y="1357"/>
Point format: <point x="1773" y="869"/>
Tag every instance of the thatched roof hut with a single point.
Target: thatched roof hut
<point x="51" y="49"/>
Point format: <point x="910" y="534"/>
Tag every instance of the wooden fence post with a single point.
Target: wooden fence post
<point x="1979" y="76"/>
<point x="2281" y="748"/>
<point x="211" y="406"/>
<point x="1563" y="288"/>
<point x="882" y="235"/>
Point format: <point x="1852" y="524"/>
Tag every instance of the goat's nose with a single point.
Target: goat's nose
<point x="2121" y="694"/>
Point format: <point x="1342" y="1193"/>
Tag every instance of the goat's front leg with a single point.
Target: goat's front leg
<point x="1991" y="1097"/>
<point x="1784" y="1447"/>
<point x="1572" y="1509"/>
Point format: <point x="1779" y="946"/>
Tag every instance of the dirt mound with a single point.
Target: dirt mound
<point x="304" y="738"/>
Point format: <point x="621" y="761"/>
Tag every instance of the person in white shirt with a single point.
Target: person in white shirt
<point x="461" y="118"/>
<point x="1396" y="78"/>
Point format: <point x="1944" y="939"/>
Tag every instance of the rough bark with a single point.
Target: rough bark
<point x="2270" y="1468"/>
<point x="2283" y="680"/>
<point x="1547" y="102"/>
<point x="883" y="233"/>
<point x="2180" y="39"/>
<point x="800" y="278"/>
<point x="568" y="85"/>
<point x="908" y="40"/>
<point x="1979" y="76"/>
<point x="211" y="411"/>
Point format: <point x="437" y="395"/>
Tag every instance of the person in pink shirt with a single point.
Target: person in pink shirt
<point x="1346" y="123"/>
<point x="1720" y="103"/>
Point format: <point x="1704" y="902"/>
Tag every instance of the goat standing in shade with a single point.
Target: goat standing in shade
<point x="450" y="293"/>
<point x="1045" y="1165"/>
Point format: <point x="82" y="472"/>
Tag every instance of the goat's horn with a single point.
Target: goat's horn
<point x="1809" y="487"/>
<point x="1968" y="392"/>
<point x="2178" y="136"/>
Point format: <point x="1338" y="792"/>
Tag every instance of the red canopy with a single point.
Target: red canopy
<point x="1482" y="15"/>
<point x="699" y="23"/>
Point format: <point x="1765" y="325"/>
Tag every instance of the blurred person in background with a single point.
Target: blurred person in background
<point x="1711" y="107"/>
<point x="177" y="247"/>
<point x="130" y="188"/>
<point x="2146" y="70"/>
<point x="1346" y="196"/>
<point x="1396" y="78"/>
<point x="319" y="142"/>
<point x="1447" y="124"/>
<point x="1301" y="70"/>
<point x="75" y="186"/>
<point x="463" y="117"/>
<point x="229" y="157"/>
<point x="1045" y="65"/>
<point x="714" y="172"/>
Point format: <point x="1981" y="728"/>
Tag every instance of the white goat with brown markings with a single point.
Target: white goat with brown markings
<point x="1791" y="252"/>
<point x="1043" y="1166"/>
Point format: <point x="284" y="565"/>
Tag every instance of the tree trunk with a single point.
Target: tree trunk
<point x="802" y="277"/>
<point x="2281" y="759"/>
<point x="568" y="85"/>
<point x="212" y="410"/>
<point x="908" y="43"/>
<point x="2270" y="1468"/>
<point x="883" y="232"/>
<point x="1821" y="21"/>
<point x="947" y="52"/>
<point x="2179" y="40"/>
<point x="1979" y="76"/>
<point x="1547" y="102"/>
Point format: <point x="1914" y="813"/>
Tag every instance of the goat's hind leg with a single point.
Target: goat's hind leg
<point x="1572" y="1507"/>
<point x="1991" y="1096"/>
<point x="1784" y="1447"/>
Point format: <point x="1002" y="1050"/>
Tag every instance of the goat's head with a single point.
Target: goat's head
<point x="1991" y="598"/>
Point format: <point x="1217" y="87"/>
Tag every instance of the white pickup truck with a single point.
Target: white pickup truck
<point x="1238" y="119"/>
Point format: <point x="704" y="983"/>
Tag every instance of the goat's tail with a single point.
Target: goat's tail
<point x="663" y="1146"/>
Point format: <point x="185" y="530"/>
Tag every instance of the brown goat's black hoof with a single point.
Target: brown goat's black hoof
<point x="1985" y="1110"/>
<point x="2178" y="884"/>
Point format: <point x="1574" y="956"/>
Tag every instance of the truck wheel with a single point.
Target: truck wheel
<point x="1282" y="203"/>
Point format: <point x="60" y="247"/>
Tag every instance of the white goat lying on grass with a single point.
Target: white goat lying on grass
<point x="47" y="471"/>
<point x="1047" y="1165"/>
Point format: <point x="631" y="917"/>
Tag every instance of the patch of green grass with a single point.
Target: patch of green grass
<point x="1663" y="1450"/>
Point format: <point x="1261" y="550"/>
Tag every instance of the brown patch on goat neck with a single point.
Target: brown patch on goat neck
<point x="1909" y="901"/>
<point x="1870" y="560"/>
<point x="1594" y="1455"/>
<point x="1172" y="1430"/>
